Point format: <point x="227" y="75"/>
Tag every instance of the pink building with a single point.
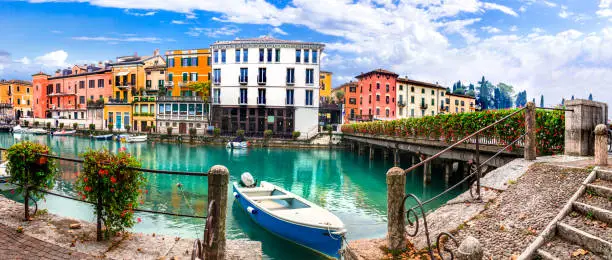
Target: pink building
<point x="69" y="91"/>
<point x="377" y="94"/>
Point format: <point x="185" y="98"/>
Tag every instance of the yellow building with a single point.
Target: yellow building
<point x="18" y="93"/>
<point x="418" y="98"/>
<point x="132" y="103"/>
<point x="186" y="67"/>
<point x="459" y="103"/>
<point x="325" y="84"/>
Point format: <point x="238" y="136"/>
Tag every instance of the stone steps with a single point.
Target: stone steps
<point x="589" y="241"/>
<point x="598" y="190"/>
<point x="597" y="213"/>
<point x="559" y="248"/>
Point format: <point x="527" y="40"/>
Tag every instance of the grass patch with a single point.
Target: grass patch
<point x="589" y="215"/>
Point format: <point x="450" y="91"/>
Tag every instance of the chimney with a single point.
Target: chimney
<point x="156" y="52"/>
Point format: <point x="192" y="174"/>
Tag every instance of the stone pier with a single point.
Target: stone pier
<point x="371" y="152"/>
<point x="396" y="157"/>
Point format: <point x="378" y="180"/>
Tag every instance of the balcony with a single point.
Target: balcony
<point x="192" y="99"/>
<point x="95" y="104"/>
<point x="401" y="103"/>
<point x="290" y="82"/>
<point x="423" y="106"/>
<point x="261" y="80"/>
<point x="243" y="80"/>
<point x="169" y="84"/>
<point x="216" y="81"/>
<point x="61" y="94"/>
<point x="143" y="114"/>
<point x="444" y="108"/>
<point x="117" y="101"/>
<point x="145" y="98"/>
<point x="124" y="85"/>
<point x="200" y="117"/>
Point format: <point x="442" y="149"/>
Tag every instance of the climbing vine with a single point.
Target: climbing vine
<point x="108" y="182"/>
<point x="550" y="127"/>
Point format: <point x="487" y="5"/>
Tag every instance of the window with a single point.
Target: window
<point x="456" y="102"/>
<point x="378" y="111"/>
<point x="352" y="101"/>
<point x="261" y="55"/>
<point x="237" y="55"/>
<point x="243" y="96"/>
<point x="185" y="76"/>
<point x="261" y="77"/>
<point x="185" y="62"/>
<point x="370" y="99"/>
<point x="462" y="103"/>
<point x="217" y="76"/>
<point x="82" y="100"/>
<point x="261" y="97"/>
<point x="433" y="92"/>
<point x="433" y="102"/>
<point x="269" y="55"/>
<point x="309" y="99"/>
<point x="57" y="88"/>
<point x="194" y="61"/>
<point x="290" y="76"/>
<point x="377" y="97"/>
<point x="370" y="87"/>
<point x="387" y="88"/>
<point x="92" y="83"/>
<point x="170" y="62"/>
<point x="315" y="56"/>
<point x="442" y="93"/>
<point x="222" y="56"/>
<point x="309" y="76"/>
<point x="81" y="84"/>
<point x="100" y="83"/>
<point x="277" y="56"/>
<point x="412" y="89"/>
<point x="353" y="89"/>
<point x="401" y="111"/>
<point x="133" y="79"/>
<point x="216" y="56"/>
<point x="422" y="91"/>
<point x="422" y="101"/>
<point x="208" y="60"/>
<point x="244" y="75"/>
<point x="432" y="113"/>
<point x="216" y="96"/>
<point x="412" y="112"/>
<point x="306" y="56"/>
<point x="401" y="87"/>
<point x="401" y="99"/>
<point x="289" y="97"/>
<point x="377" y="85"/>
<point x="387" y="112"/>
<point x="170" y="77"/>
<point x="387" y="100"/>
<point x="193" y="77"/>
<point x="298" y="54"/>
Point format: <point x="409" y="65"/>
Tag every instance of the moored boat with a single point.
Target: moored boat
<point x="103" y="137"/>
<point x="290" y="216"/>
<point x="37" y="131"/>
<point x="136" y="138"/>
<point x="238" y="145"/>
<point x="17" y="129"/>
<point x="64" y="132"/>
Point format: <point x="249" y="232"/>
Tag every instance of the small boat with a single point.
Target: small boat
<point x="136" y="138"/>
<point x="290" y="216"/>
<point x="64" y="132"/>
<point x="37" y="131"/>
<point x="103" y="137"/>
<point x="4" y="178"/>
<point x="120" y="137"/>
<point x="18" y="130"/>
<point x="238" y="145"/>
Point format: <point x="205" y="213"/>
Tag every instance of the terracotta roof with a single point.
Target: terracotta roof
<point x="101" y="71"/>
<point x="379" y="71"/>
<point x="460" y="95"/>
<point x="323" y="71"/>
<point x="40" y="73"/>
<point x="419" y="83"/>
<point x="15" y="81"/>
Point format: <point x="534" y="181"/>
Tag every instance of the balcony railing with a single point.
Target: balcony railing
<point x="57" y="94"/>
<point x="401" y="103"/>
<point x="424" y="106"/>
<point x="169" y="84"/>
<point x="243" y="80"/>
<point x="192" y="98"/>
<point x="289" y="102"/>
<point x="242" y="101"/>
<point x="200" y="118"/>
<point x="145" y="98"/>
<point x="261" y="100"/>
<point x="117" y="101"/>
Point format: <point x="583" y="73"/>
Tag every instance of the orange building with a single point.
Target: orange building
<point x="19" y="94"/>
<point x="184" y="68"/>
<point x="351" y="101"/>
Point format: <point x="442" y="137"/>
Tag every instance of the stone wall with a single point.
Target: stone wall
<point x="580" y="122"/>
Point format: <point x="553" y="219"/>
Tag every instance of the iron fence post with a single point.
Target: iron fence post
<point x="477" y="160"/>
<point x="26" y="192"/>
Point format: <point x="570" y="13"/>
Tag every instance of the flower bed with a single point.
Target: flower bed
<point x="449" y="128"/>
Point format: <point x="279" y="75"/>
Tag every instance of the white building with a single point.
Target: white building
<point x="265" y="83"/>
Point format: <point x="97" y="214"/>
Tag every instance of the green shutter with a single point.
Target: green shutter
<point x="184" y="77"/>
<point x="170" y="77"/>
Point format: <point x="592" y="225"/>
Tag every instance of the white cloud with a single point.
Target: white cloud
<point x="501" y="8"/>
<point x="513" y="28"/>
<point x="490" y="29"/>
<point x="149" y="13"/>
<point x="605" y="3"/>
<point x="538" y="30"/>
<point x="213" y="32"/>
<point x="53" y="59"/>
<point x="24" y="61"/>
<point x="279" y="31"/>
<point x="549" y="4"/>
<point x="56" y="31"/>
<point x="522" y="9"/>
<point x="564" y="13"/>
<point x="178" y="22"/>
<point x="115" y="39"/>
<point x="460" y="27"/>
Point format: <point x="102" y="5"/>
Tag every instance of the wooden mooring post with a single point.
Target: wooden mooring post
<point x="218" y="179"/>
<point x="530" y="137"/>
<point x="601" y="145"/>
<point x="396" y="226"/>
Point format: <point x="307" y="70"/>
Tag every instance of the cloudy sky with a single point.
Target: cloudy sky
<point x="551" y="47"/>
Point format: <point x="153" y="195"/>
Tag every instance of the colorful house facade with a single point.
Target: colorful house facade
<point x="456" y="103"/>
<point x="418" y="98"/>
<point x="186" y="67"/>
<point x="18" y="94"/>
<point x="325" y="85"/>
<point x="377" y="94"/>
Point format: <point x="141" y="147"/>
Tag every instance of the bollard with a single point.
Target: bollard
<point x="218" y="179"/>
<point x="470" y="249"/>
<point x="396" y="226"/>
<point x="530" y="137"/>
<point x="601" y="145"/>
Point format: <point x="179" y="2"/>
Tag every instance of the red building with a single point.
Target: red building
<point x="66" y="94"/>
<point x="377" y="94"/>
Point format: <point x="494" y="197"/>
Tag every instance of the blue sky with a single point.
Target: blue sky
<point x="555" y="48"/>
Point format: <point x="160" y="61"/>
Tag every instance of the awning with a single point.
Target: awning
<point x="122" y="73"/>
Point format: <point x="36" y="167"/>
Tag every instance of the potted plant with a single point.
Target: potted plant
<point x="61" y="125"/>
<point x="48" y="125"/>
<point x="296" y="135"/>
<point x="169" y="130"/>
<point x="75" y="126"/>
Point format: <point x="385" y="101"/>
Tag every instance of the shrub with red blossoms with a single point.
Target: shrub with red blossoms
<point x="103" y="175"/>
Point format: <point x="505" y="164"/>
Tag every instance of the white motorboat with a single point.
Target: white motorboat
<point x="64" y="132"/>
<point x="238" y="145"/>
<point x="37" y="131"/>
<point x="136" y="138"/>
<point x="290" y="216"/>
<point x="18" y="129"/>
<point x="103" y="137"/>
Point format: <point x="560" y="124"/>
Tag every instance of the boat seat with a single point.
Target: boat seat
<point x="273" y="197"/>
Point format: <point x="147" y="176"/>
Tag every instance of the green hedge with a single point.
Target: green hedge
<point x="550" y="127"/>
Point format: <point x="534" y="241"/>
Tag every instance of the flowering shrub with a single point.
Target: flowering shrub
<point x="550" y="127"/>
<point x="106" y="176"/>
<point x="27" y="166"/>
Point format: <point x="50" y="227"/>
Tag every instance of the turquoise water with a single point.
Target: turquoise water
<point x="349" y="185"/>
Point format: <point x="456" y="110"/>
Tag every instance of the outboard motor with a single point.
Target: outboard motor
<point x="247" y="180"/>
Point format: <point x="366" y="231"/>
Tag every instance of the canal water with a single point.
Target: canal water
<point x="349" y="185"/>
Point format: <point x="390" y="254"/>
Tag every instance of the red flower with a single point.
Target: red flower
<point x="113" y="179"/>
<point x="85" y="179"/>
<point x="87" y="188"/>
<point x="146" y="191"/>
<point x="12" y="191"/>
<point x="103" y="172"/>
<point x="112" y="190"/>
<point x="122" y="149"/>
<point x="139" y="220"/>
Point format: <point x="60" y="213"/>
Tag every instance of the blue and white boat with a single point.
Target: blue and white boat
<point x="103" y="137"/>
<point x="291" y="217"/>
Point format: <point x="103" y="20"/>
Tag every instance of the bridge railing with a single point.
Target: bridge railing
<point x="213" y="244"/>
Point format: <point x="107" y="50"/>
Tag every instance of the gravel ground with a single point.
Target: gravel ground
<point x="512" y="221"/>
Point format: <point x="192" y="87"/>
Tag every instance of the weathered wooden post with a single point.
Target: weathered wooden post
<point x="218" y="179"/>
<point x="530" y="137"/>
<point x="396" y="226"/>
<point x="601" y="145"/>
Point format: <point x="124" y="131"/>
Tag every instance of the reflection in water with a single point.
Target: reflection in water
<point x="349" y="185"/>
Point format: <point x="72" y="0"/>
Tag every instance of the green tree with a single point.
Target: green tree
<point x="340" y="96"/>
<point x="521" y="99"/>
<point x="591" y="97"/>
<point x="202" y="88"/>
<point x="541" y="100"/>
<point x="485" y="94"/>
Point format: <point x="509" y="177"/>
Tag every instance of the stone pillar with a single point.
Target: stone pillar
<point x="371" y="152"/>
<point x="426" y="170"/>
<point x="385" y="153"/>
<point x="530" y="137"/>
<point x="413" y="160"/>
<point x="448" y="169"/>
<point x="580" y="124"/>
<point x="396" y="157"/>
<point x="601" y="145"/>
<point x="396" y="226"/>
<point x="360" y="149"/>
<point x="470" y="249"/>
<point x="218" y="179"/>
